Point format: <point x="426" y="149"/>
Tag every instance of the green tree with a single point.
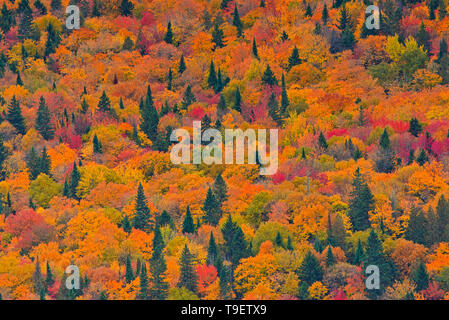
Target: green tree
<point x="330" y="259"/>
<point x="188" y="225"/>
<point x="385" y="158"/>
<point x="14" y="116"/>
<point x="104" y="104"/>
<point x="43" y="121"/>
<point x="75" y="178"/>
<point x="237" y="22"/>
<point x="294" y="58"/>
<point x="97" y="146"/>
<point x="217" y="36"/>
<point x="359" y="256"/>
<point x="268" y="77"/>
<point x="49" y="280"/>
<point x="220" y="189"/>
<point x="169" y="34"/>
<point x="420" y="276"/>
<point x="360" y="203"/>
<point x="149" y="118"/>
<point x="4" y="153"/>
<point x="159" y="288"/>
<point x="325" y="15"/>
<point x="212" y="78"/>
<point x="182" y="65"/>
<point x="53" y="39"/>
<point x="187" y="278"/>
<point x="212" y="251"/>
<point x="129" y="274"/>
<point x="141" y="219"/>
<point x="188" y="97"/>
<point x="273" y="109"/>
<point x="309" y="271"/>
<point x="284" y="97"/>
<point x="415" y="127"/>
<point x="422" y="157"/>
<point x="126" y="8"/>
<point x="38" y="279"/>
<point x="254" y="49"/>
<point x="235" y="246"/>
<point x="143" y="278"/>
<point x="322" y="143"/>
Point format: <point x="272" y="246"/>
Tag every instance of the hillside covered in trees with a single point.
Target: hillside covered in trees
<point x="85" y="172"/>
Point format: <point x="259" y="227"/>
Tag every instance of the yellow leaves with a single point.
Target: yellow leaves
<point x="440" y="259"/>
<point x="115" y="290"/>
<point x="91" y="175"/>
<point x="202" y="43"/>
<point x="43" y="22"/>
<point x="308" y="220"/>
<point x="394" y="48"/>
<point x="61" y="155"/>
<point x="19" y="91"/>
<point x="317" y="290"/>
<point x="141" y="242"/>
<point x="428" y="181"/>
<point x="424" y="79"/>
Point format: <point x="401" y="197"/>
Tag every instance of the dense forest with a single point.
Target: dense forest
<point x="86" y="178"/>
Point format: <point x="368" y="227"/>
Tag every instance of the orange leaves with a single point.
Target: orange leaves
<point x="439" y="259"/>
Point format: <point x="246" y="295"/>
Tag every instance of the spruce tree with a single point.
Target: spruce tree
<point x="45" y="162"/>
<point x="188" y="97"/>
<point x="182" y="65"/>
<point x="317" y="246"/>
<point x="74" y="181"/>
<point x="217" y="36"/>
<point x="325" y="15"/>
<point x="126" y="8"/>
<point x="129" y="274"/>
<point x="212" y="251"/>
<point x="420" y="277"/>
<point x="237" y="100"/>
<point x="359" y="255"/>
<point x="7" y="20"/>
<point x="330" y="259"/>
<point x="43" y="121"/>
<point x="143" y="279"/>
<point x="187" y="224"/>
<point x="149" y="116"/>
<point x="309" y="270"/>
<point x="385" y="158"/>
<point x="168" y="38"/>
<point x="284" y="97"/>
<point x="237" y="22"/>
<point x="442" y="211"/>
<point x="220" y="189"/>
<point x="126" y="224"/>
<point x="38" y="279"/>
<point x="19" y="81"/>
<point x="222" y="105"/>
<point x="415" y="127"/>
<point x="422" y="157"/>
<point x="360" y="203"/>
<point x="417" y="227"/>
<point x="104" y="104"/>
<point x="170" y="80"/>
<point x="268" y="77"/>
<point x="235" y="246"/>
<point x="128" y="44"/>
<point x="97" y="146"/>
<point x="254" y="49"/>
<point x="141" y="219"/>
<point x="14" y="116"/>
<point x="212" y="77"/>
<point x="423" y="38"/>
<point x="159" y="289"/>
<point x="25" y="24"/>
<point x="33" y="164"/>
<point x="294" y="59"/>
<point x="187" y="278"/>
<point x="49" y="280"/>
<point x="273" y="109"/>
<point x="53" y="39"/>
<point x="278" y="240"/>
<point x="212" y="209"/>
<point x="322" y="143"/>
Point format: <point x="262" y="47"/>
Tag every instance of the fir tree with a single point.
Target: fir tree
<point x="221" y="107"/>
<point x="45" y="162"/>
<point x="7" y="20"/>
<point x="187" y="278"/>
<point x="25" y="24"/>
<point x="49" y="280"/>
<point x="212" y="78"/>
<point x="129" y="274"/>
<point x="43" y="121"/>
<point x="33" y="164"/>
<point x="385" y="161"/>
<point x="415" y="127"/>
<point x="420" y="276"/>
<point x="182" y="65"/>
<point x="141" y="219"/>
<point x="423" y="38"/>
<point x="74" y="181"/>
<point x="14" y="116"/>
<point x="317" y="246"/>
<point x="324" y="15"/>
<point x="422" y="157"/>
<point x="143" y="279"/>
<point x="308" y="12"/>
<point x="40" y="7"/>
<point x="294" y="58"/>
<point x="149" y="116"/>
<point x="254" y="49"/>
<point x="309" y="270"/>
<point x="19" y="81"/>
<point x="104" y="104"/>
<point x="53" y="39"/>
<point x="217" y="36"/>
<point x="235" y="246"/>
<point x="359" y="256"/>
<point x="126" y="8"/>
<point x="220" y="189"/>
<point x="273" y="109"/>
<point x="237" y="100"/>
<point x="212" y="251"/>
<point x="188" y="97"/>
<point x="360" y="203"/>
<point x="168" y="38"/>
<point x="322" y="143"/>
<point x="330" y="259"/>
<point x="284" y="97"/>
<point x="38" y="279"/>
<point x="278" y="240"/>
<point x="126" y="224"/>
<point x="187" y="224"/>
<point x="170" y="80"/>
<point x="417" y="227"/>
<point x="164" y="219"/>
<point x="237" y="22"/>
<point x="159" y="290"/>
<point x="98" y="148"/>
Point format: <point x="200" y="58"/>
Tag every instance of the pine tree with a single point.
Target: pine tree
<point x="237" y="100"/>
<point x="344" y="22"/>
<point x="294" y="58"/>
<point x="385" y="158"/>
<point x="415" y="127"/>
<point x="317" y="246"/>
<point x="143" y="278"/>
<point x="129" y="274"/>
<point x="126" y="8"/>
<point x="359" y="256"/>
<point x="19" y="81"/>
<point x="217" y="36"/>
<point x="98" y="148"/>
<point x="322" y="143"/>
<point x="104" y="104"/>
<point x="330" y="259"/>
<point x="45" y="162"/>
<point x="212" y="78"/>
<point x="423" y="38"/>
<point x="309" y="270"/>
<point x="360" y="203"/>
<point x="159" y="290"/>
<point x="14" y="116"/>
<point x="49" y="280"/>
<point x="188" y="97"/>
<point x="212" y="251"/>
<point x="141" y="219"/>
<point x="7" y="20"/>
<point x="149" y="116"/>
<point x="220" y="189"/>
<point x="25" y="24"/>
<point x="74" y="181"/>
<point x="211" y="209"/>
<point x="420" y="276"/>
<point x="170" y="80"/>
<point x="126" y="224"/>
<point x="254" y="49"/>
<point x="38" y="279"/>
<point x="164" y="219"/>
<point x="43" y="120"/>
<point x="33" y="164"/>
<point x="182" y="65"/>
<point x="219" y="84"/>
<point x="278" y="240"/>
<point x="187" y="278"/>
<point x="422" y="157"/>
<point x="273" y="109"/>
<point x="442" y="211"/>
<point x="308" y="12"/>
<point x="284" y="97"/>
<point x="235" y="246"/>
<point x="187" y="224"/>
<point x="325" y="15"/>
<point x="237" y="22"/>
<point x="221" y="107"/>
<point x="417" y="227"/>
<point x="168" y="38"/>
<point x="53" y="39"/>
